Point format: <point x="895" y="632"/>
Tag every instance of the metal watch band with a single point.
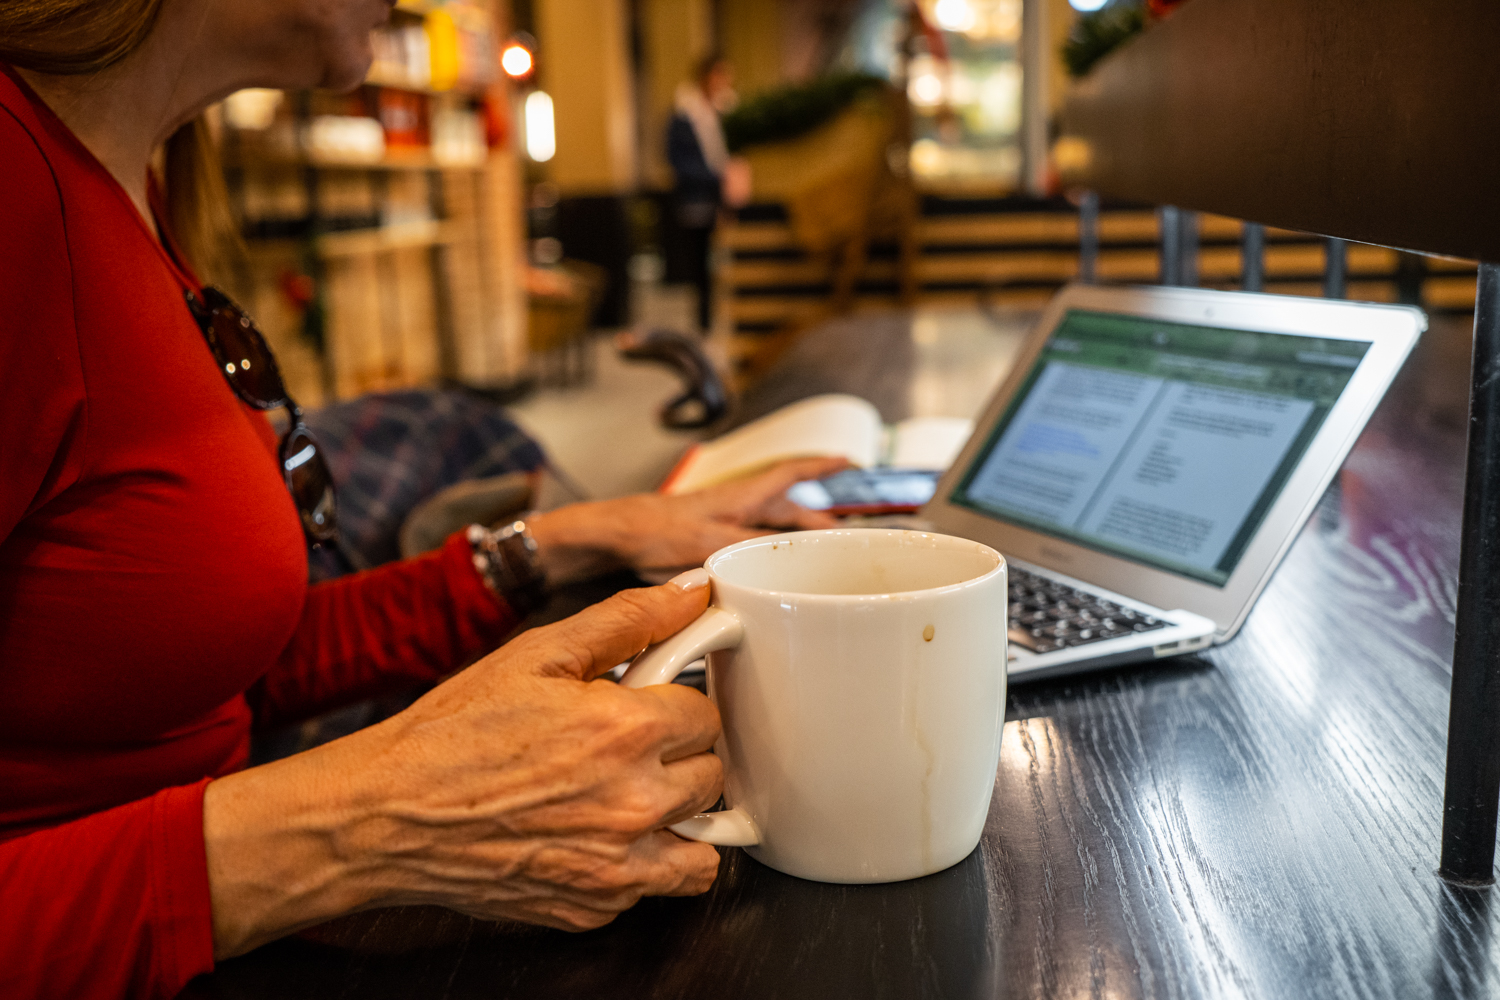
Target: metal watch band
<point x="507" y="560"/>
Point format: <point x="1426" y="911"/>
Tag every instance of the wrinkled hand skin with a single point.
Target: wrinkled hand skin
<point x="651" y="531"/>
<point x="521" y="789"/>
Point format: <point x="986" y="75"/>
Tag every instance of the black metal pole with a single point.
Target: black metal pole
<point x="1335" y="268"/>
<point x="1088" y="237"/>
<point x="1187" y="247"/>
<point x="1253" y="258"/>
<point x="1171" y="245"/>
<point x="1471" y="792"/>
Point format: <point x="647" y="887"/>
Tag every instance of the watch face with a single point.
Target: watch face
<point x="507" y="561"/>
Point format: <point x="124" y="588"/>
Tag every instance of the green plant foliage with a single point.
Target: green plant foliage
<point x="1096" y="35"/>
<point x="787" y="112"/>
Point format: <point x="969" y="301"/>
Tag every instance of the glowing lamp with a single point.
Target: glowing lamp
<point x="541" y="138"/>
<point x="516" y="61"/>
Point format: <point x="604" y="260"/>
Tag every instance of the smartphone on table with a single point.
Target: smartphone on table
<point x="867" y="491"/>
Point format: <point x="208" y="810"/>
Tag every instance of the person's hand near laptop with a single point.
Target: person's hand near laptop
<point x="652" y="532"/>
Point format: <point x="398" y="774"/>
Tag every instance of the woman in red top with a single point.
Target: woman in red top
<point x="153" y="597"/>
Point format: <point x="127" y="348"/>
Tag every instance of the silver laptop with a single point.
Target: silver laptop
<point x="1152" y="455"/>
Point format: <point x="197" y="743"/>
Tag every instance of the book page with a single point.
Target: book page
<point x="928" y="443"/>
<point x="833" y="424"/>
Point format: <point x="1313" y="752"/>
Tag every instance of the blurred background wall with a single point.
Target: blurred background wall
<point x="501" y="186"/>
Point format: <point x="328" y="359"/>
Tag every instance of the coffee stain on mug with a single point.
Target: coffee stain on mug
<point x="926" y="798"/>
<point x="912" y="697"/>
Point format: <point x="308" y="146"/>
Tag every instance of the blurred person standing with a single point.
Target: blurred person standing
<point x="707" y="177"/>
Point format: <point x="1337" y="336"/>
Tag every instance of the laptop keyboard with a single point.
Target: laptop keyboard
<point x="1046" y="616"/>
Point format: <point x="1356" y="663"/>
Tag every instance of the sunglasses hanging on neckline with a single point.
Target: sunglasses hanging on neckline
<point x="247" y="363"/>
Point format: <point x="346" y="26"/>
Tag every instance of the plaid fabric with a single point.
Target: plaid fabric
<point x="388" y="452"/>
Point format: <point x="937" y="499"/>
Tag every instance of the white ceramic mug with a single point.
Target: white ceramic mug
<point x="860" y="675"/>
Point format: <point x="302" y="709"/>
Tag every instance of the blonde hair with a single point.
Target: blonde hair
<point x="79" y="37"/>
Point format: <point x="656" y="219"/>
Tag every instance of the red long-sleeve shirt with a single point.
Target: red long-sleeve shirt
<point x="153" y="595"/>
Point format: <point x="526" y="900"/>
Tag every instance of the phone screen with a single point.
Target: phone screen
<point x="866" y="491"/>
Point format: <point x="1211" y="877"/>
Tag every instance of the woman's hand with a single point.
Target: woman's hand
<point x="517" y="790"/>
<point x="651" y="531"/>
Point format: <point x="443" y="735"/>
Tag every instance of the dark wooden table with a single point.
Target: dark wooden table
<point x="1260" y="821"/>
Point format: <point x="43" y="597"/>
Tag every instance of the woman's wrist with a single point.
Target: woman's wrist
<point x="289" y="845"/>
<point x="578" y="541"/>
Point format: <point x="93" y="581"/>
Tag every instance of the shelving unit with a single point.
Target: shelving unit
<point x="397" y="160"/>
<point x="399" y="263"/>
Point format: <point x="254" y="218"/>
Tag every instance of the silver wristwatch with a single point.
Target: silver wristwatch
<point x="507" y="559"/>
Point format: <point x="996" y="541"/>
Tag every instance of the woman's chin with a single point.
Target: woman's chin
<point x="346" y="75"/>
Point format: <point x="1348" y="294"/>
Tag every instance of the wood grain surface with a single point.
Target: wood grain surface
<point x="1260" y="821"/>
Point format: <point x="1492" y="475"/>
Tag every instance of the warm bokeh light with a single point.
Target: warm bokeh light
<point x="997" y="21"/>
<point x="926" y="90"/>
<point x="954" y="15"/>
<point x="516" y="61"/>
<point x="541" y="138"/>
<point x="252" y="110"/>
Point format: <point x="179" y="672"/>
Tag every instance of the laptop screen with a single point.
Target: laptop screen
<point x="1160" y="442"/>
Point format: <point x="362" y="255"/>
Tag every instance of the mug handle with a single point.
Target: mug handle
<point x="715" y="629"/>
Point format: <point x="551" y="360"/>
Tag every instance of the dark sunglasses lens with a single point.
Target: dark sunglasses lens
<point x="310" y="482"/>
<point x="246" y="359"/>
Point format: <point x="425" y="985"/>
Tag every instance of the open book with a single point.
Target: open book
<point x="832" y="424"/>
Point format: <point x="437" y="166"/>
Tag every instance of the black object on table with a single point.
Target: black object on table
<point x="705" y="398"/>
<point x="1472" y="792"/>
<point x="1254" y="822"/>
